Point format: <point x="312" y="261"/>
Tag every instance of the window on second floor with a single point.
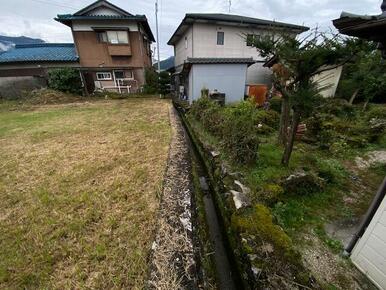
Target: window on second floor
<point x="220" y="38"/>
<point x="114" y="37"/>
<point x="251" y="38"/>
<point x="186" y="42"/>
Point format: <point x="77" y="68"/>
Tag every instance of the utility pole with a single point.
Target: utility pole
<point x="156" y="28"/>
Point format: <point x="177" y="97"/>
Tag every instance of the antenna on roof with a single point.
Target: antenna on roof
<point x="156" y="27"/>
<point x="229" y="6"/>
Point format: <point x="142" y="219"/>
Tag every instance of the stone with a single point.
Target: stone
<point x="240" y="199"/>
<point x="302" y="183"/>
<point x="371" y="159"/>
<point x="242" y="187"/>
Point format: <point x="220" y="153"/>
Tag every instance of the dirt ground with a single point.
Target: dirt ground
<point x="79" y="187"/>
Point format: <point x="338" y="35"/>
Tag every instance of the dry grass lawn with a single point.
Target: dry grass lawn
<point x="79" y="188"/>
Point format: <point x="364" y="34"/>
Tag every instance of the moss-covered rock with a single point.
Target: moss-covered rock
<point x="271" y="193"/>
<point x="259" y="223"/>
<point x="302" y="183"/>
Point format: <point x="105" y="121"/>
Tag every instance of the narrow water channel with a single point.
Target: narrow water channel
<point x="225" y="271"/>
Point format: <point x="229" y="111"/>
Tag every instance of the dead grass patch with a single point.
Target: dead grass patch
<point x="78" y="193"/>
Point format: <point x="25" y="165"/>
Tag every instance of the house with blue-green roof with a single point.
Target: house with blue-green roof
<point x="113" y="46"/>
<point x="111" y="49"/>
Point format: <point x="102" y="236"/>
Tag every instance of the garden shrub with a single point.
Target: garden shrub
<point x="236" y="126"/>
<point x="66" y="80"/>
<point x="376" y="112"/>
<point x="239" y="132"/>
<point x="268" y="118"/>
<point x="151" y="81"/>
<point x="336" y="107"/>
<point x="209" y="114"/>
<point x="331" y="170"/>
<point x="275" y="104"/>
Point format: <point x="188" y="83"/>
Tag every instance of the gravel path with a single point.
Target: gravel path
<point x="173" y="265"/>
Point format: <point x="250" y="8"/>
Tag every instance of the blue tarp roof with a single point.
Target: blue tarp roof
<point x="52" y="52"/>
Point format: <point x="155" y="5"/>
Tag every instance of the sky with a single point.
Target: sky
<point x="34" y="18"/>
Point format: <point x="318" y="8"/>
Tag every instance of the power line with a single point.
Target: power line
<point x="56" y="4"/>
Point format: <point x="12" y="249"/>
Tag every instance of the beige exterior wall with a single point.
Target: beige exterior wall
<point x="205" y="41"/>
<point x="184" y="47"/>
<point x="202" y="42"/>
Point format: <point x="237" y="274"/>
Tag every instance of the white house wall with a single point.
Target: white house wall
<point x="184" y="49"/>
<point x="369" y="254"/>
<point x="88" y="25"/>
<point x="329" y="80"/>
<point x="225" y="78"/>
<point x="205" y="41"/>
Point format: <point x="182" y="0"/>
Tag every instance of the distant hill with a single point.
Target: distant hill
<point x="7" y="42"/>
<point x="165" y="64"/>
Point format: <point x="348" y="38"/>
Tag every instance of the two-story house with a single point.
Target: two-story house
<point x="113" y="46"/>
<point x="213" y="51"/>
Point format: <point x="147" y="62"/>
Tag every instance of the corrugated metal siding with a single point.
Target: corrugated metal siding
<point x="369" y="254"/>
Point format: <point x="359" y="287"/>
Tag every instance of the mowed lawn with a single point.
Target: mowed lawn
<point x="79" y="187"/>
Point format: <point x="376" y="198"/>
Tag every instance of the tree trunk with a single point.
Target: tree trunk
<point x="290" y="144"/>
<point x="353" y="97"/>
<point x="284" y="121"/>
<point x="365" y="105"/>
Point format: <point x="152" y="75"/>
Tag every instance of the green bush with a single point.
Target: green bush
<point x="237" y="126"/>
<point x="336" y="107"/>
<point x="275" y="104"/>
<point x="331" y="170"/>
<point x="239" y="132"/>
<point x="164" y="83"/>
<point x="376" y="112"/>
<point x="65" y="80"/>
<point x="151" y="81"/>
<point x="209" y="114"/>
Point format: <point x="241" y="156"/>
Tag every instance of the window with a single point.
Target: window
<point x="120" y="74"/>
<point x="114" y="37"/>
<point x="186" y="42"/>
<point x="251" y="38"/>
<point x="101" y="76"/>
<point x="102" y="36"/>
<point x="220" y="38"/>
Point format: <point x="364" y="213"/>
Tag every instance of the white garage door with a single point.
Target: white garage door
<point x="369" y="255"/>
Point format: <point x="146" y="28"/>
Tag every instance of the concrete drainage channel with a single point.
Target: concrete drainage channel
<point x="227" y="276"/>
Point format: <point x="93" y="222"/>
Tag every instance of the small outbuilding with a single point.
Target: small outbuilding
<point x="26" y="66"/>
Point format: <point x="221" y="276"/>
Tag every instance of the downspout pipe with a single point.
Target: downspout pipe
<point x="367" y="218"/>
